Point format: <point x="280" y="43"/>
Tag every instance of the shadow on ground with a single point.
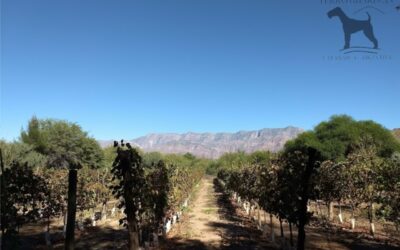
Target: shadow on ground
<point x="236" y="231"/>
<point x="185" y="244"/>
<point x="239" y="233"/>
<point x="332" y="238"/>
<point x="93" y="238"/>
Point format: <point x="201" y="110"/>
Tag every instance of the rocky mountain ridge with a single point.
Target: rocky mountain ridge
<point x="213" y="145"/>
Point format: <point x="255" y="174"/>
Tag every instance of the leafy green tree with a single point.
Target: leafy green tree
<point x="212" y="168"/>
<point x="233" y="160"/>
<point x="335" y="140"/>
<point x="340" y="136"/>
<point x="259" y="158"/>
<point x="149" y="159"/>
<point x="109" y="157"/>
<point x="23" y="154"/>
<point x="341" y="159"/>
<point x="63" y="143"/>
<point x="34" y="135"/>
<point x="189" y="156"/>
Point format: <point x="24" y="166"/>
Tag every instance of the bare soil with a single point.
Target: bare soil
<point x="215" y="221"/>
<point x="212" y="221"/>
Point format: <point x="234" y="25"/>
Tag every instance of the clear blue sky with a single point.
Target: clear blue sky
<point x="122" y="69"/>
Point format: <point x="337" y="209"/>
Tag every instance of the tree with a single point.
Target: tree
<point x="34" y="135"/>
<point x="335" y="141"/>
<point x="65" y="145"/>
<point x="340" y="136"/>
<point x="23" y="154"/>
<point x="341" y="159"/>
<point x="232" y="160"/>
<point x="151" y="158"/>
<point x="109" y="157"/>
<point x="260" y="158"/>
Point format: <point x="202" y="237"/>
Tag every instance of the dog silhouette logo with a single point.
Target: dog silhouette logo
<point x="351" y="26"/>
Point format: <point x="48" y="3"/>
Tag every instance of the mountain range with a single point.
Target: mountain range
<point x="213" y="145"/>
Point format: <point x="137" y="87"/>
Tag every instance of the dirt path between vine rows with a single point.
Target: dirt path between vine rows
<point x="211" y="222"/>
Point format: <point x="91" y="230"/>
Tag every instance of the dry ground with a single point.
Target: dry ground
<point x="217" y="222"/>
<point x="212" y="221"/>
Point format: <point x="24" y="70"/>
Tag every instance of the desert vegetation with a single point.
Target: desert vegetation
<point x="342" y="162"/>
<point x="146" y="190"/>
<point x="343" y="175"/>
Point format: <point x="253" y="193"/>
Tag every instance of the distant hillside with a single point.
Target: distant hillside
<point x="213" y="145"/>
